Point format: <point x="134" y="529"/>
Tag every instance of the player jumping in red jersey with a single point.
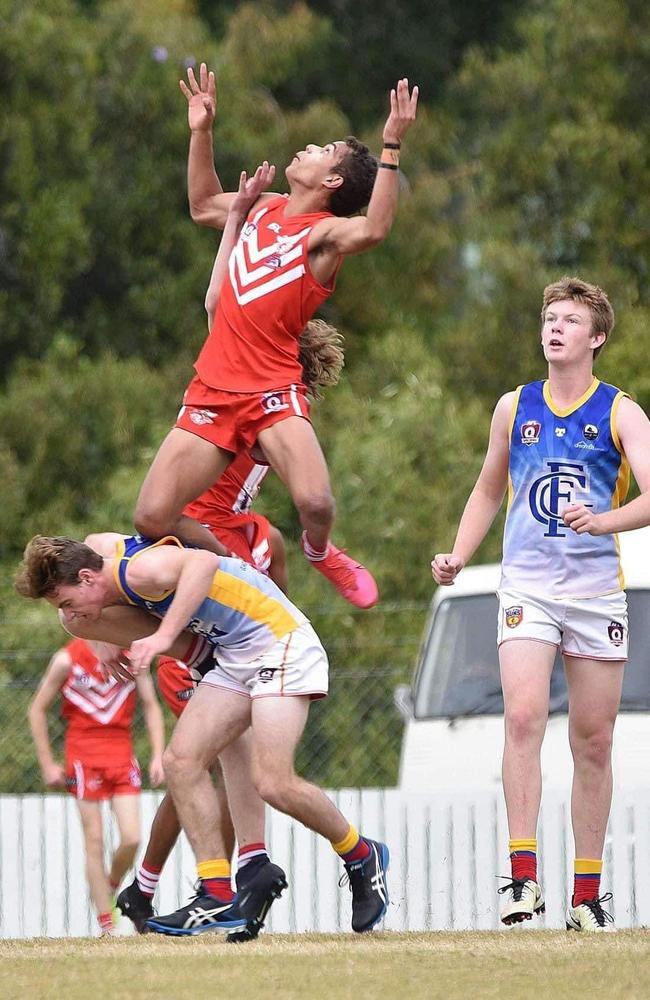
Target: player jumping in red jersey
<point x="100" y="763"/>
<point x="248" y="387"/>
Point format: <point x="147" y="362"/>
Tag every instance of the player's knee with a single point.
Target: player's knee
<point x="524" y="724"/>
<point x="274" y="789"/>
<point x="151" y="520"/>
<point x="316" y="505"/>
<point x="172" y="765"/>
<point x="593" y="748"/>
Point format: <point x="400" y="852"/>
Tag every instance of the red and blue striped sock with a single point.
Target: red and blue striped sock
<point x="586" y="879"/>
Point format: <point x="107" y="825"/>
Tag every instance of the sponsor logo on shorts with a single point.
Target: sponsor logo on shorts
<point x="616" y="633"/>
<point x="266" y="674"/>
<point x="530" y="432"/>
<point x="202" y="416"/>
<point x="94" y="784"/>
<point x="590" y="431"/>
<point x="272" y="402"/>
<point x="514" y="616"/>
<point x="185" y="694"/>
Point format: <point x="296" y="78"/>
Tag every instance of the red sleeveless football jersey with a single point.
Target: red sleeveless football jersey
<point x="267" y="298"/>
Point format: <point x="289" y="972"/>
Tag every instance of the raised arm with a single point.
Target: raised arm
<point x="209" y="203"/>
<point x="484" y="500"/>
<point x="349" y="236"/>
<point x="248" y="193"/>
<point x="53" y="680"/>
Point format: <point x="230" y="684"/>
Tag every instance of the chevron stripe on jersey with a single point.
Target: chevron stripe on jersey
<point x="243" y="615"/>
<point x="267" y="297"/>
<point x="557" y="458"/>
<point x="92" y="700"/>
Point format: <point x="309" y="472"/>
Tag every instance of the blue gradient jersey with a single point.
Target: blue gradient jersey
<point x="243" y="614"/>
<point x="561" y="457"/>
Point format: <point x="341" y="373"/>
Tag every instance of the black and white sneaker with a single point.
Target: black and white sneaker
<point x="590" y="916"/>
<point x="259" y="883"/>
<point x="136" y="906"/>
<point x="203" y="913"/>
<point x="367" y="880"/>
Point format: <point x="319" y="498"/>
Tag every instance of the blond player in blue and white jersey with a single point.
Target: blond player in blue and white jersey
<point x="270" y="666"/>
<point x="562" y="450"/>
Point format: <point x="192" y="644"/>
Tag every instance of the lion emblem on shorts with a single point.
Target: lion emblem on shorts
<point x="514" y="616"/>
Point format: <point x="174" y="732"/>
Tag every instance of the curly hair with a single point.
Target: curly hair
<point x="321" y="356"/>
<point x="50" y="562"/>
<point x="358" y="168"/>
<point x="602" y="313"/>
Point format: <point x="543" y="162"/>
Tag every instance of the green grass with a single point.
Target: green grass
<point x="509" y="965"/>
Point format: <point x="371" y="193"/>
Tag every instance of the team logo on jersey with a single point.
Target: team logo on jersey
<point x="266" y="674"/>
<point x="616" y="633"/>
<point x="514" y="616"/>
<point x="590" y="431"/>
<point x="560" y="432"/>
<point x="275" y="226"/>
<point x="530" y="432"/>
<point x="272" y="402"/>
<point x="549" y="495"/>
<point x="202" y="416"/>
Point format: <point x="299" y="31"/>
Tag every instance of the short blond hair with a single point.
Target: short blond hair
<point x="602" y="313"/>
<point x="321" y="356"/>
<point x="50" y="562"/>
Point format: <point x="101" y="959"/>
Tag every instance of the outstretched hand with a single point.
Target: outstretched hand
<point x="403" y="107"/>
<point x="250" y="188"/>
<point x="201" y="99"/>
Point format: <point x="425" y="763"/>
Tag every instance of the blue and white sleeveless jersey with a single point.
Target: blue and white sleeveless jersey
<point x="243" y="614"/>
<point x="560" y="457"/>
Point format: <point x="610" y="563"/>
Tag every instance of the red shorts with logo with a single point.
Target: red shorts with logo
<point x="95" y="781"/>
<point x="232" y="420"/>
<point x="174" y="683"/>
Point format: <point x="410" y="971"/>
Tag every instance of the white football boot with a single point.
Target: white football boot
<point x="589" y="916"/>
<point x="524" y="901"/>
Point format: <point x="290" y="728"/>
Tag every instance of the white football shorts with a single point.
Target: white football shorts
<point x="591" y="627"/>
<point x="294" y="665"/>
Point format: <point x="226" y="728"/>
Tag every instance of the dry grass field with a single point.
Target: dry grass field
<point x="454" y="966"/>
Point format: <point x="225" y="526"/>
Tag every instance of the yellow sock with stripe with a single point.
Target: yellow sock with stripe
<point x="523" y="859"/>
<point x="353" y="847"/>
<point x="586" y="879"/>
<point x="215" y="878"/>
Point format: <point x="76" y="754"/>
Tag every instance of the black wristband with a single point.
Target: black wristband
<point x="389" y="166"/>
<point x="392" y="145"/>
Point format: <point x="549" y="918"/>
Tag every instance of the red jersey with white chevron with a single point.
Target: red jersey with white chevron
<point x="267" y="298"/>
<point x="99" y="710"/>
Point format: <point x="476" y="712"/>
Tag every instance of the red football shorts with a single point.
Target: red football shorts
<point x="233" y="420"/>
<point x="95" y="782"/>
<point x="246" y="535"/>
<point x="174" y="683"/>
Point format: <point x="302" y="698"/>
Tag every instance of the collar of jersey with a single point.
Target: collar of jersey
<point x="574" y="406"/>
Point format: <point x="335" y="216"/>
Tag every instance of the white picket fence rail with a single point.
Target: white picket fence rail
<point x="446" y="850"/>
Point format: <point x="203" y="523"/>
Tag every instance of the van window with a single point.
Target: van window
<point x="458" y="669"/>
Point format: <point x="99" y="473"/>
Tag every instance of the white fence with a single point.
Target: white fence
<point x="445" y="849"/>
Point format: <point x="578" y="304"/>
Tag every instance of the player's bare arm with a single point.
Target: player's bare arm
<point x="188" y="572"/>
<point x="334" y="238"/>
<point x="485" y="499"/>
<point x="633" y="429"/>
<point x="250" y="189"/>
<point x="49" y="688"/>
<point x="209" y="203"/>
<point x="153" y="720"/>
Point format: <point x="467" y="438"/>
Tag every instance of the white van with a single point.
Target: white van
<point x="453" y="710"/>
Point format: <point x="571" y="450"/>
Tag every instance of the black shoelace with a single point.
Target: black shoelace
<point x="601" y="916"/>
<point x="517" y="886"/>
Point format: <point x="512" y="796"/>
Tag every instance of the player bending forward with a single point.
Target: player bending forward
<point x="562" y="448"/>
<point x="271" y="665"/>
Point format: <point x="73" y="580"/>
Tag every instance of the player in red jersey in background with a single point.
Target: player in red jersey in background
<point x="100" y="763"/>
<point x="248" y="388"/>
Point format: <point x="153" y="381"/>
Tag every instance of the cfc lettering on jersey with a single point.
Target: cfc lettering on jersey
<point x="564" y="483"/>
